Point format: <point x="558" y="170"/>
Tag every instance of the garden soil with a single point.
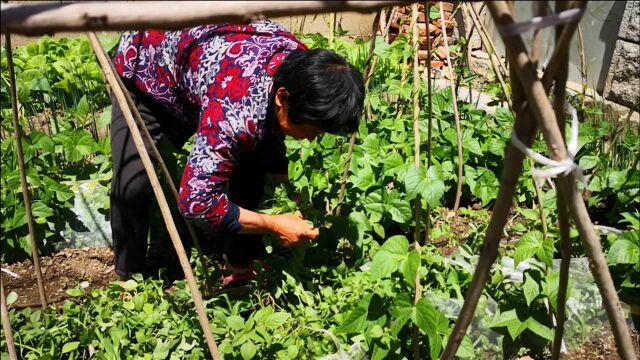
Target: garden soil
<point x="88" y="267"/>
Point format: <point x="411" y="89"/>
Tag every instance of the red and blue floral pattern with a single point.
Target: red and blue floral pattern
<point x="226" y="72"/>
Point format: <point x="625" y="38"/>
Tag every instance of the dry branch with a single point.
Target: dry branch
<point x="26" y="195"/>
<point x="543" y="111"/>
<point x="49" y="18"/>
<point x="456" y="114"/>
<point x="6" y="323"/>
<point x="157" y="189"/>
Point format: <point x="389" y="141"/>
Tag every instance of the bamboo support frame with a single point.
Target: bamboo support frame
<point x="456" y="114"/>
<point x="95" y="43"/>
<point x="513" y="166"/>
<point x="6" y="323"/>
<point x="543" y="111"/>
<point x="162" y="201"/>
<point x="41" y="19"/>
<point x="26" y="195"/>
<point x="491" y="50"/>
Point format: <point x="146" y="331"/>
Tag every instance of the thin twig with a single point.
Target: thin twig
<point x="6" y="323"/>
<point x="543" y="111"/>
<point x="456" y="114"/>
<point x="157" y="189"/>
<point x="26" y="195"/>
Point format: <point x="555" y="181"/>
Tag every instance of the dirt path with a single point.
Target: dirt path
<point x="86" y="267"/>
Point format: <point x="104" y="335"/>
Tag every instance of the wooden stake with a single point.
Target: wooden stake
<point x="95" y="43"/>
<point x="162" y="201"/>
<point x="6" y="323"/>
<point x="456" y="114"/>
<point x="26" y="195"/>
<point x="368" y="72"/>
<point x="544" y="112"/>
<point x="427" y="10"/>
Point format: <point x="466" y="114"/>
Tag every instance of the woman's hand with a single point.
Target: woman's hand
<point x="292" y="230"/>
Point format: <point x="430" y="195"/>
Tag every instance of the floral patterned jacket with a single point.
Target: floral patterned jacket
<point x="219" y="76"/>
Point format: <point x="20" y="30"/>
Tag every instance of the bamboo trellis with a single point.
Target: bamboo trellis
<point x="532" y="109"/>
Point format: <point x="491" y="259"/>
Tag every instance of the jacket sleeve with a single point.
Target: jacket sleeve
<point x="209" y="167"/>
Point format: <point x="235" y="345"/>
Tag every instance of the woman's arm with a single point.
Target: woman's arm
<point x="290" y="229"/>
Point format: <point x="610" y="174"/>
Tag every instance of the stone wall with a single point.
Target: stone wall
<point x="623" y="80"/>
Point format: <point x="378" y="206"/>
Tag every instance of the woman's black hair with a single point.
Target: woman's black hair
<point x="324" y="90"/>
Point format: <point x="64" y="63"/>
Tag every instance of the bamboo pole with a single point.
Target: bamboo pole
<point x="352" y="141"/>
<point x="559" y="95"/>
<point x="415" y="332"/>
<point x="95" y="43"/>
<point x="456" y="114"/>
<point x="47" y="18"/>
<point x="544" y="112"/>
<point x="427" y="9"/>
<point x="162" y="201"/>
<point x="491" y="50"/>
<point x="525" y="128"/>
<point x="6" y="323"/>
<point x="26" y="195"/>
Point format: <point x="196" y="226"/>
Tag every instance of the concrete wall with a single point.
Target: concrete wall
<point x="613" y="73"/>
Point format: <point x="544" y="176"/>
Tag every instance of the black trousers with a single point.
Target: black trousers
<point x="134" y="208"/>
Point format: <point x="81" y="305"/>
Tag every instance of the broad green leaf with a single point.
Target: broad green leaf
<point x="248" y="350"/>
<point x="357" y="319"/>
<point x="400" y="210"/>
<point x="235" y="322"/>
<point x="276" y="319"/>
<point x="530" y="288"/>
<point x="532" y="244"/>
<point x="588" y="162"/>
<point x="539" y="329"/>
<point x="105" y="118"/>
<point x="75" y="292"/>
<point x="623" y="252"/>
<point x="384" y="264"/>
<point x="397" y="245"/>
<point x="410" y="267"/>
<point x="11" y="298"/>
<point x="466" y="349"/>
<point x="70" y="346"/>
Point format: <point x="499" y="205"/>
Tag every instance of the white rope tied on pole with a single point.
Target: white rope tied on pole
<point x="540" y="22"/>
<point x="554" y="167"/>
